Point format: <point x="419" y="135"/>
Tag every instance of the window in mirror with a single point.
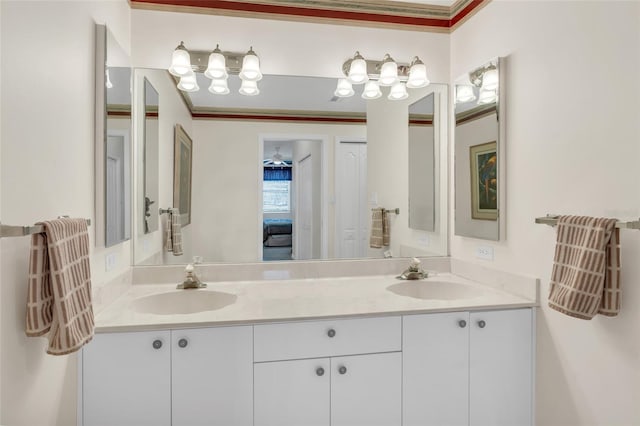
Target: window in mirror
<point x="479" y="148"/>
<point x="276" y="196"/>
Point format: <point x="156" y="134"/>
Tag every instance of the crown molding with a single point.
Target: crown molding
<point x="371" y="13"/>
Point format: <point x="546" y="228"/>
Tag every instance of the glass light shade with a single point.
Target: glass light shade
<point x="464" y="93"/>
<point x="417" y="76"/>
<point x="344" y="89"/>
<point x="371" y="90"/>
<point x="490" y="79"/>
<point x="249" y="88"/>
<point x="486" y="97"/>
<point x="219" y="87"/>
<point x="188" y="83"/>
<point x="217" y="67"/>
<point x="250" y="67"/>
<point x="388" y="73"/>
<point x="180" y="62"/>
<point x="398" y="92"/>
<point x="358" y="71"/>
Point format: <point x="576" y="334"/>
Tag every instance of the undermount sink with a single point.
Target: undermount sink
<point x="183" y="302"/>
<point x="435" y="290"/>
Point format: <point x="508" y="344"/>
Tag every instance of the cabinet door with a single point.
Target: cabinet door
<point x="436" y="369"/>
<point x="366" y="390"/>
<point x="212" y="376"/>
<point x="292" y="393"/>
<point x="126" y="379"/>
<point x="501" y="368"/>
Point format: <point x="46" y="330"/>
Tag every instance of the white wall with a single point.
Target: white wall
<point x="171" y="111"/>
<point x="572" y="132"/>
<point x="226" y="173"/>
<point x="47" y="170"/>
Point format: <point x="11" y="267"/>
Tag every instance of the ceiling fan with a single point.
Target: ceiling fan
<point x="276" y="160"/>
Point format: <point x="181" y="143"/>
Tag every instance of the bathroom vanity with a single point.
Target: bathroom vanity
<point x="340" y="352"/>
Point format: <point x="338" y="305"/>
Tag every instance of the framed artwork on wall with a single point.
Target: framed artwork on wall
<point x="484" y="181"/>
<point x="182" y="156"/>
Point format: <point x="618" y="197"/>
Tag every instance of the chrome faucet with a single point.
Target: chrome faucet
<point x="414" y="271"/>
<point x="191" y="280"/>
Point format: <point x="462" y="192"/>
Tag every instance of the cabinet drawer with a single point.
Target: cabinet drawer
<point x="316" y="339"/>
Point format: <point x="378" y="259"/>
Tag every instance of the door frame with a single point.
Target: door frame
<point x="324" y="184"/>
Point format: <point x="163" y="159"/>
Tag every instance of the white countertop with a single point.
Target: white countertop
<point x="303" y="299"/>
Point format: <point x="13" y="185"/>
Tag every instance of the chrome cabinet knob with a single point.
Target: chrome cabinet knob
<point x="462" y="323"/>
<point x="331" y="332"/>
<point x="157" y="344"/>
<point x="320" y="371"/>
<point x="481" y="324"/>
<point x="183" y="343"/>
<point x="342" y="370"/>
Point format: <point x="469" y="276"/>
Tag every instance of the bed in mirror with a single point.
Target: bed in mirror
<point x="285" y="175"/>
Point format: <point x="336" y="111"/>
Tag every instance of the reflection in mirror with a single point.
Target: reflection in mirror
<point x="113" y="149"/>
<point x="150" y="155"/>
<point x="479" y="148"/>
<point x="236" y="136"/>
<point x="421" y="165"/>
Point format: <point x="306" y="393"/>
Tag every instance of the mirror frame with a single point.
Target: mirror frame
<point x="100" y="204"/>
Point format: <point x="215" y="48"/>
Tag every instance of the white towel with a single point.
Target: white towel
<point x="173" y="233"/>
<point x="59" y="289"/>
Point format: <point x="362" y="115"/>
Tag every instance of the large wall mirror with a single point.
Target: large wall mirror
<point x="113" y="140"/>
<point x="285" y="175"/>
<point x="479" y="153"/>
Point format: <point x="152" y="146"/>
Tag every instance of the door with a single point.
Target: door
<point x="351" y="199"/>
<point x="115" y="191"/>
<point x="212" y="376"/>
<point x="501" y="368"/>
<point x="436" y="369"/>
<point x="304" y="209"/>
<point x="366" y="390"/>
<point x="126" y="379"/>
<point x="292" y="393"/>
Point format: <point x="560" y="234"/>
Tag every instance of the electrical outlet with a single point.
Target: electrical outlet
<point x="110" y="261"/>
<point x="146" y="246"/>
<point x="484" y="252"/>
<point x="423" y="240"/>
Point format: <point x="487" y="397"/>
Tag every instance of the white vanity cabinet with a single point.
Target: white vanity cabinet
<point x="352" y="374"/>
<point x="181" y="377"/>
<point x="472" y="369"/>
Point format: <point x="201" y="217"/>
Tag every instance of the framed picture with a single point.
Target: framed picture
<point x="484" y="181"/>
<point x="182" y="154"/>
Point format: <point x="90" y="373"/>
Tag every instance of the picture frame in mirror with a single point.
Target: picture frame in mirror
<point x="484" y="181"/>
<point x="182" y="157"/>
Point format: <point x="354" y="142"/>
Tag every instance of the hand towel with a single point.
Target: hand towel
<point x="59" y="289"/>
<point x="386" y="228"/>
<point x="377" y="233"/>
<point x="585" y="280"/>
<point x="173" y="233"/>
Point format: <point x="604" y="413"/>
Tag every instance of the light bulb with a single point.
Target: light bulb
<point x="344" y="89"/>
<point x="358" y="70"/>
<point x="417" y="75"/>
<point x="486" y="97"/>
<point x="180" y="61"/>
<point x="490" y="79"/>
<point x="398" y="92"/>
<point x="249" y="88"/>
<point x="219" y="87"/>
<point x="388" y="72"/>
<point x="188" y="83"/>
<point x="250" y="67"/>
<point x="371" y="90"/>
<point x="464" y="93"/>
<point x="217" y="67"/>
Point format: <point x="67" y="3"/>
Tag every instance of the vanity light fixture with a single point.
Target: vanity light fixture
<point x="465" y="93"/>
<point x="490" y="79"/>
<point x="486" y="97"/>
<point x="216" y="65"/>
<point x="486" y="80"/>
<point x="387" y="72"/>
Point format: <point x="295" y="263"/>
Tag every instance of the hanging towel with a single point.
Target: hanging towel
<point x="173" y="233"/>
<point x="380" y="228"/>
<point x="59" y="289"/>
<point x="585" y="280"/>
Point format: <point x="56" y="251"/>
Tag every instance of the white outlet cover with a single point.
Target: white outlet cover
<point x="484" y="252"/>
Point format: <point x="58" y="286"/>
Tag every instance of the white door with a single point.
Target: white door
<point x="351" y="199"/>
<point x="212" y="376"/>
<point x="366" y="390"/>
<point x="501" y="368"/>
<point x="292" y="393"/>
<point x="126" y="379"/>
<point x="436" y="369"/>
<point x="115" y="191"/>
<point x="304" y="209"/>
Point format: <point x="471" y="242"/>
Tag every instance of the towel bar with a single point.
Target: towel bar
<point x="552" y="220"/>
<point x="395" y="211"/>
<point x="163" y="211"/>
<point x="21" y="231"/>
